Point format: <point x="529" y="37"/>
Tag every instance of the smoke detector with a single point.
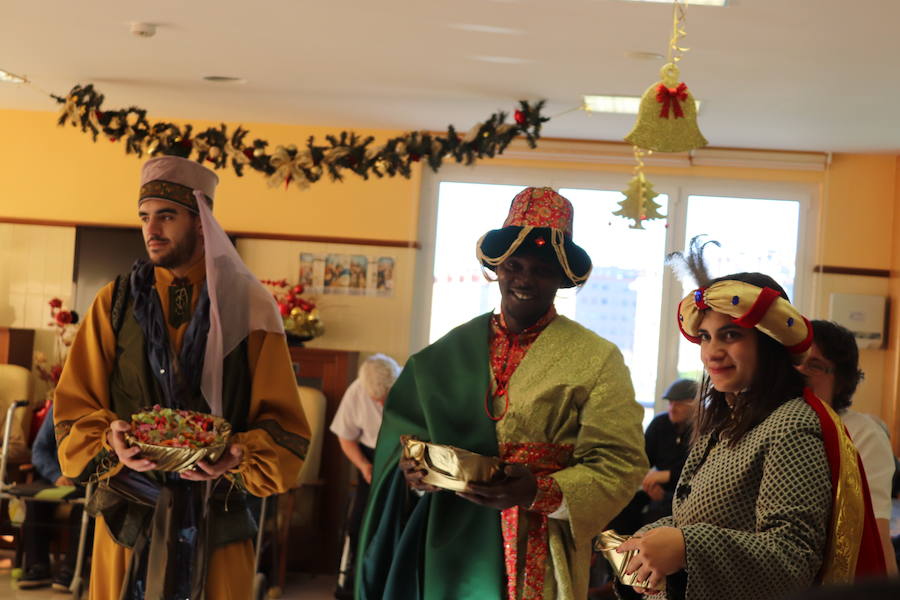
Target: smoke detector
<point x="145" y="30"/>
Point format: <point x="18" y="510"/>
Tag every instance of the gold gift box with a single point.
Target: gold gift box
<point x="448" y="467"/>
<point x="606" y="544"/>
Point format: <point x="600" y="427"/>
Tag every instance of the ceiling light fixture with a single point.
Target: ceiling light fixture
<point x="619" y="105"/>
<point x="503" y="60"/>
<point x="224" y="79"/>
<point x="486" y="29"/>
<point x="721" y="3"/>
<point x="7" y="77"/>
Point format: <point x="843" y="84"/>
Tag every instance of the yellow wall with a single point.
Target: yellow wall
<point x="859" y="211"/>
<point x="59" y="174"/>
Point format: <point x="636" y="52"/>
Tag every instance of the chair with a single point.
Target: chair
<point x="15" y="385"/>
<point x="308" y="483"/>
<point x="313" y="403"/>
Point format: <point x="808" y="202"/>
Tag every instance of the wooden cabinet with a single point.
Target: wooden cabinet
<point x="331" y="371"/>
<point x="16" y="347"/>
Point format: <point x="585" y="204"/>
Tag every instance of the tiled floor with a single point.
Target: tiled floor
<point x="305" y="587"/>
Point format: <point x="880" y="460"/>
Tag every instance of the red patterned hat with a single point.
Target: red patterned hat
<point x="540" y="207"/>
<point x="541" y="219"/>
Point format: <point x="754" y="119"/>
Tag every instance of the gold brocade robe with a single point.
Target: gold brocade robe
<point x="82" y="416"/>
<point x="573" y="388"/>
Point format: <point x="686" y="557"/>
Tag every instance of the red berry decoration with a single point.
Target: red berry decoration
<point x="520" y="117"/>
<point x="175" y="428"/>
<point x="298" y="289"/>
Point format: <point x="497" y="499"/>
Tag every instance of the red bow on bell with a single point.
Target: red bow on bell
<point x="669" y="97"/>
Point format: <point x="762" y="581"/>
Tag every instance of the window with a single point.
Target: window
<point x="761" y="236"/>
<point x="631" y="296"/>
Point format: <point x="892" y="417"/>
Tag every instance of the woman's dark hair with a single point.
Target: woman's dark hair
<point x="775" y="381"/>
<point x="838" y="345"/>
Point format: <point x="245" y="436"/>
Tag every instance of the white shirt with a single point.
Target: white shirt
<point x="877" y="457"/>
<point x="358" y="418"/>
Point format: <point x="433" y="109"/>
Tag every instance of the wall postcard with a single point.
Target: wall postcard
<point x="349" y="274"/>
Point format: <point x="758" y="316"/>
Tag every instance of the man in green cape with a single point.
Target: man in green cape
<point x="551" y="399"/>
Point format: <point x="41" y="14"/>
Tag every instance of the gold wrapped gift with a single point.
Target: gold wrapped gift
<point x="176" y="459"/>
<point x="606" y="544"/>
<point x="448" y="467"/>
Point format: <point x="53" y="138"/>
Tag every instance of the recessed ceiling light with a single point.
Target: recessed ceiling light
<point x="503" y="60"/>
<point x="486" y="29"/>
<point x="224" y="79"/>
<point x="688" y="2"/>
<point x="621" y="105"/>
<point x="8" y="77"/>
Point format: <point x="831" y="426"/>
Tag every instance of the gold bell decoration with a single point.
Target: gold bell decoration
<point x="638" y="204"/>
<point x="667" y="119"/>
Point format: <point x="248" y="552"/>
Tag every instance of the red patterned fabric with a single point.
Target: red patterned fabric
<point x="542" y="459"/>
<point x="507" y="349"/>
<point x="548" y="498"/>
<point x="540" y="207"/>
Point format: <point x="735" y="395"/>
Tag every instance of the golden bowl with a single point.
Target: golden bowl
<point x="176" y="459"/>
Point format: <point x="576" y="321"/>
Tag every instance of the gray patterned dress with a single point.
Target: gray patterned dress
<point x="754" y="516"/>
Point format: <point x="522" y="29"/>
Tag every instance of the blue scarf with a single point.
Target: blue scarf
<point x="183" y="575"/>
<point x="177" y="388"/>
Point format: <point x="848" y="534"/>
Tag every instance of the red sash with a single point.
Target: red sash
<point x="854" y="548"/>
<point x="542" y="459"/>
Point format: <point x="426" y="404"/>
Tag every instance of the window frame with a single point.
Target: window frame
<point x="678" y="188"/>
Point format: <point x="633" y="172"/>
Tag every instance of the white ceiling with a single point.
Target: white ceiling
<point x="784" y="74"/>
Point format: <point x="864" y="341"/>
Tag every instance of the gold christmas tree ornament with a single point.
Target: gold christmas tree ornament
<point x="638" y="204"/>
<point x="667" y="119"/>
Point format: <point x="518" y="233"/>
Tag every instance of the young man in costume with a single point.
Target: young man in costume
<point x="191" y="328"/>
<point x="553" y="400"/>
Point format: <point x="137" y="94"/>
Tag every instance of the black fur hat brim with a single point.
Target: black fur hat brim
<point x="497" y="241"/>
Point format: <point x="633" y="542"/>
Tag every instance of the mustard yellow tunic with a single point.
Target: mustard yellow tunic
<point x="82" y="397"/>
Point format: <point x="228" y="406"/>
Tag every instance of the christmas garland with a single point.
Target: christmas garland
<point x="284" y="165"/>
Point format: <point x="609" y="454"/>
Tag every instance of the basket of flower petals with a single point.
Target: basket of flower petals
<point x="177" y="439"/>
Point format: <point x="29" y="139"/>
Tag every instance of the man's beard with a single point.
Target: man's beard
<point x="179" y="253"/>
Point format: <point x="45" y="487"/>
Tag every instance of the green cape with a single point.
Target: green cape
<point x="440" y="546"/>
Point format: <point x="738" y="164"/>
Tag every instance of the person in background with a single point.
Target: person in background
<point x="356" y="425"/>
<point x="39" y="519"/>
<point x="832" y="371"/>
<point x="667" y="442"/>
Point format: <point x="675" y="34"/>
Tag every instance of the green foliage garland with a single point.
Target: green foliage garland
<point x="301" y="166"/>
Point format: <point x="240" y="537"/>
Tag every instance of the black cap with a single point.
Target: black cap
<point x="683" y="389"/>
